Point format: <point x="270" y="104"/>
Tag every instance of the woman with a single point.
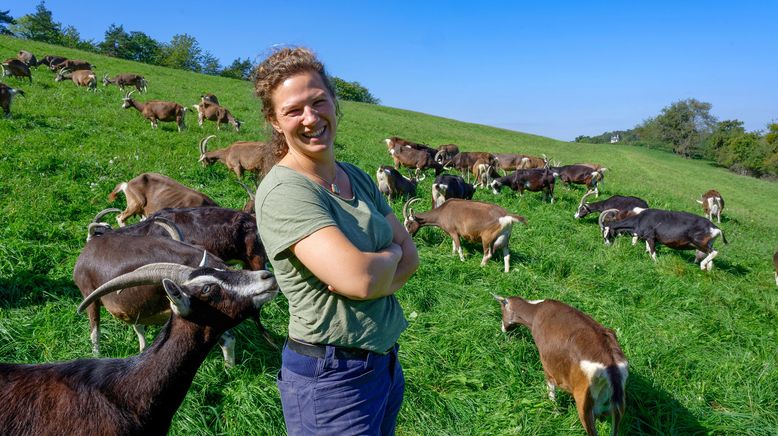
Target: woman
<point x="338" y="253"/>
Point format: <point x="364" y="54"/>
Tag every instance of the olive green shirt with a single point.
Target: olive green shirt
<point x="290" y="207"/>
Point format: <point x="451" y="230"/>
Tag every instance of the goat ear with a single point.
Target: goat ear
<point x="179" y="300"/>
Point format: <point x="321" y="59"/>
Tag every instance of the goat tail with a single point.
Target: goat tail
<point x="518" y="218"/>
<point x="119" y="188"/>
<point x="617" y="400"/>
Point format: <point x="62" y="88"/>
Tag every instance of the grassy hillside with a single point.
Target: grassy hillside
<point x="701" y="346"/>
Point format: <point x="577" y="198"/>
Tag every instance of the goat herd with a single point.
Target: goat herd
<point x="173" y="265"/>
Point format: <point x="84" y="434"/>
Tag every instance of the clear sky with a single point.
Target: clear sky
<point x="552" y="68"/>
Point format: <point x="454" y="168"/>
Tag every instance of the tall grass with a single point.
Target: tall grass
<point x="701" y="346"/>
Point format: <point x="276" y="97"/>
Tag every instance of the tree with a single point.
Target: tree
<point x="39" y="26"/>
<point x="116" y="43"/>
<point x="684" y="124"/>
<point x="5" y="18"/>
<point x="183" y="52"/>
<point x="238" y="69"/>
<point x="209" y="64"/>
<point x="352" y="91"/>
<point x="71" y="38"/>
<point x="143" y="48"/>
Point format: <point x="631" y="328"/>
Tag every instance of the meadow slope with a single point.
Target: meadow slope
<point x="701" y="346"/>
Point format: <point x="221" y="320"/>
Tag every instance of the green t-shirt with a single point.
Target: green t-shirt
<point x="290" y="207"/>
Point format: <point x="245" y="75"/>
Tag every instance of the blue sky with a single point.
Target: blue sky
<point x="557" y="69"/>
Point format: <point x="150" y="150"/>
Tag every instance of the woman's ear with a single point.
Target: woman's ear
<point x="276" y="126"/>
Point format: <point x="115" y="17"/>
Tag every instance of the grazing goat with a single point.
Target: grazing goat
<point x="15" y="68"/>
<point x="484" y="172"/>
<point x="156" y="110"/>
<point x="393" y="184"/>
<point x="446" y="152"/>
<point x="126" y="79"/>
<point x="80" y="77"/>
<point x="529" y="162"/>
<point x="473" y="220"/>
<point x="396" y="141"/>
<point x="533" y="180"/>
<point x="712" y="204"/>
<point x="578" y="355"/>
<point x="581" y="175"/>
<point x="252" y="156"/>
<point x="618" y="202"/>
<point x="465" y="160"/>
<point x="138" y="395"/>
<point x="677" y="230"/>
<point x="413" y="158"/>
<point x="6" y="97"/>
<point x="72" y="65"/>
<point x="509" y="161"/>
<point x="150" y="192"/>
<point x="28" y="58"/>
<point x="208" y="110"/>
<point x="447" y="186"/>
<point x="50" y="60"/>
<point x="209" y="98"/>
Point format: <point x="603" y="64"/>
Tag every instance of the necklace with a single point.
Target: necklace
<point x="333" y="186"/>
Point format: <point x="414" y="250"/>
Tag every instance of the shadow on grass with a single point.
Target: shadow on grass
<point x="719" y="263"/>
<point x="30" y="289"/>
<point x="652" y="410"/>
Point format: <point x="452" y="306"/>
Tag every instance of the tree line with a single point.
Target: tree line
<point x="687" y="128"/>
<point x="182" y="52"/>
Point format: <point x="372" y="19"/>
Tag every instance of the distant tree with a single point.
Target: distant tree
<point x="116" y="43"/>
<point x="39" y="26"/>
<point x="183" y="52"/>
<point x="71" y="38"/>
<point x="684" y="124"/>
<point x="209" y="64"/>
<point x="5" y="18"/>
<point x="143" y="48"/>
<point x="352" y="91"/>
<point x="238" y="69"/>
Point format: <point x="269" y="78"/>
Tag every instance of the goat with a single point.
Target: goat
<point x="473" y="220"/>
<point x="80" y="77"/>
<point x="677" y="230"/>
<point x="393" y="184"/>
<point x="529" y="162"/>
<point x="446" y="152"/>
<point x="465" y="160"/>
<point x="207" y="110"/>
<point x="150" y="192"/>
<point x="447" y="186"/>
<point x="126" y="79"/>
<point x="509" y="161"/>
<point x="581" y="175"/>
<point x="618" y="202"/>
<point x="399" y="142"/>
<point x="532" y="180"/>
<point x="16" y="68"/>
<point x="157" y="110"/>
<point x="28" y="58"/>
<point x="252" y="156"/>
<point x="577" y="353"/>
<point x="138" y="394"/>
<point x="209" y="98"/>
<point x="72" y="65"/>
<point x="412" y="158"/>
<point x="6" y="97"/>
<point x="775" y="262"/>
<point x="50" y="60"/>
<point x="712" y="204"/>
<point x="484" y="172"/>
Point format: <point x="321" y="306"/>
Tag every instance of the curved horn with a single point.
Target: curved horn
<point x="92" y="229"/>
<point x="173" y="230"/>
<point x="437" y="155"/>
<point x="408" y="203"/>
<point x="146" y="275"/>
<point x="204" y="145"/>
<point x="248" y="190"/>
<point x="105" y="212"/>
<point x="583" y="199"/>
<point x="129" y="93"/>
<point x="605" y="215"/>
<point x="105" y="76"/>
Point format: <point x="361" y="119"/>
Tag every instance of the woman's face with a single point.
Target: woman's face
<point x="305" y="113"/>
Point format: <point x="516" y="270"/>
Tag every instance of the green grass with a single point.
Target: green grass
<point x="701" y="346"/>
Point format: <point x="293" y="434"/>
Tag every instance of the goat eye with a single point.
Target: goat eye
<point x="207" y="289"/>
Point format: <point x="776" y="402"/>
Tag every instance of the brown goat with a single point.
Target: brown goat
<point x="473" y="220"/>
<point x="253" y="156"/>
<point x="28" y="58"/>
<point x="72" y="65"/>
<point x="213" y="112"/>
<point x="16" y="68"/>
<point x="156" y="110"/>
<point x="6" y="96"/>
<point x="483" y="173"/>
<point x="577" y="353"/>
<point x="126" y="79"/>
<point x="85" y="78"/>
<point x="150" y="192"/>
<point x="712" y="204"/>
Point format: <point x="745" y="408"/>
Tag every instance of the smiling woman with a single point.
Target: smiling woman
<point x="339" y="255"/>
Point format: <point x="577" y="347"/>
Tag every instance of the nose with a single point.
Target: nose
<point x="310" y="116"/>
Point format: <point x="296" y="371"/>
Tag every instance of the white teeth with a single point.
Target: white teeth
<point x="314" y="134"/>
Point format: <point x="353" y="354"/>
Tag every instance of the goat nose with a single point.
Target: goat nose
<point x="264" y="275"/>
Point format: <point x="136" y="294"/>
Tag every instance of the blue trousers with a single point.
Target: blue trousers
<point x="330" y="396"/>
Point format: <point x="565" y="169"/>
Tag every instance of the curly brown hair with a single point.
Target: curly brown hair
<point x="276" y="68"/>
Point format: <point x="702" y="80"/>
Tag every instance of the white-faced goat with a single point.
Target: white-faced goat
<point x="84" y="78"/>
<point x="617" y="202"/>
<point x="578" y="355"/>
<point x="712" y="205"/>
<point x="677" y="230"/>
<point x="581" y="175"/>
<point x="252" y="156"/>
<point x="448" y="186"/>
<point x="393" y="184"/>
<point x="126" y="79"/>
<point x="139" y="394"/>
<point x="473" y="220"/>
<point x="208" y="110"/>
<point x="6" y="97"/>
<point x="534" y="180"/>
<point x="16" y="68"/>
<point x="150" y="192"/>
<point x="28" y="58"/>
<point x="157" y="110"/>
<point x="413" y="158"/>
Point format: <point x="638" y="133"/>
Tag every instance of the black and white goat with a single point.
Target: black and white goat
<point x="617" y="202"/>
<point x="533" y="180"/>
<point x="447" y="186"/>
